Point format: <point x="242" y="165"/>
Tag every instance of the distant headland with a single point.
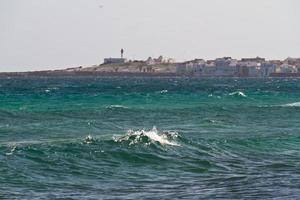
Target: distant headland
<point x="161" y="66"/>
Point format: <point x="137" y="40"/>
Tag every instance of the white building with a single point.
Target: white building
<point x="286" y="68"/>
<point x="159" y="60"/>
<point x="248" y="69"/>
<point x="155" y="61"/>
<point x="191" y="67"/>
<point x="267" y="68"/>
<point x="221" y="67"/>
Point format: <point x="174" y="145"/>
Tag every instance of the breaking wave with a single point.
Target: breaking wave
<point x="296" y="104"/>
<point x="11" y="151"/>
<point x="238" y="93"/>
<point x="148" y="137"/>
<point x="89" y="140"/>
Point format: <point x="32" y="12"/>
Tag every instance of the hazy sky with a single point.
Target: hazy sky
<point x="54" y="34"/>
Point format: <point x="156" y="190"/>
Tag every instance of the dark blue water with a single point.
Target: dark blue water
<point x="149" y="138"/>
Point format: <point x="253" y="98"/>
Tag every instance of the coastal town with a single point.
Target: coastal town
<point x="245" y="67"/>
<point x="162" y="66"/>
<point x="219" y="67"/>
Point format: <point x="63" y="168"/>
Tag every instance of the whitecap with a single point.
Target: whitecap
<point x="116" y="106"/>
<point x="89" y="139"/>
<point x="296" y="104"/>
<point x="135" y="137"/>
<point x="164" y="91"/>
<point x="11" y="151"/>
<point x="238" y="93"/>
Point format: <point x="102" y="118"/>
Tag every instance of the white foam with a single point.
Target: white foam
<point x="116" y="106"/>
<point x="296" y="104"/>
<point x="89" y="139"/>
<point x="238" y="93"/>
<point x="164" y="138"/>
<point x="11" y="151"/>
<point x="163" y="91"/>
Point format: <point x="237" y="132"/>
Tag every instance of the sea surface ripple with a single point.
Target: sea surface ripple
<point x="149" y="138"/>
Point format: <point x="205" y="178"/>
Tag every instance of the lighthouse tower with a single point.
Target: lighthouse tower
<point x="116" y="60"/>
<point x="122" y="52"/>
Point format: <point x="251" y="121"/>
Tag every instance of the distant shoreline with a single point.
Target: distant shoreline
<point x="219" y="67"/>
<point x="123" y="74"/>
<point x="84" y="73"/>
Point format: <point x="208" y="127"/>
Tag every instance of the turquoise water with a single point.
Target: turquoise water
<point x="149" y="138"/>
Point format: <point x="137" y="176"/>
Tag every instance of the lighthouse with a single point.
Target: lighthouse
<point x="122" y="52"/>
<point x="116" y="60"/>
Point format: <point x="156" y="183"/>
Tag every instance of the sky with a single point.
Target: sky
<point x="57" y="34"/>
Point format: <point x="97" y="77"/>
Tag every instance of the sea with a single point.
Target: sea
<point x="93" y="137"/>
